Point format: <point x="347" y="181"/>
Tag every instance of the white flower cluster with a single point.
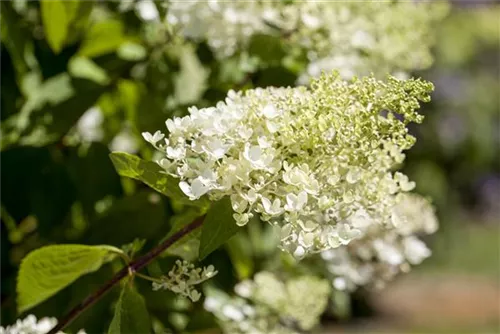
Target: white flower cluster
<point x="359" y="38"/>
<point x="30" y="325"/>
<point x="308" y="160"/>
<point x="353" y="37"/>
<point x="381" y="253"/>
<point x="183" y="277"/>
<point x="271" y="306"/>
<point x="225" y="25"/>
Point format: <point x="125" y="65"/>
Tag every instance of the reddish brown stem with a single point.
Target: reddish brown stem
<point x="132" y="267"/>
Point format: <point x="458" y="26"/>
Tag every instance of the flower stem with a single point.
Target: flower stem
<point x="148" y="278"/>
<point x="132" y="267"/>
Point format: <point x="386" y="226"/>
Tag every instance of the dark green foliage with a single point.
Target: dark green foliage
<point x="37" y="183"/>
<point x="218" y="227"/>
<point x="131" y="315"/>
<point x="59" y="59"/>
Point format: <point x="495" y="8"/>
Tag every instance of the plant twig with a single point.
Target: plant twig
<point x="132" y="267"/>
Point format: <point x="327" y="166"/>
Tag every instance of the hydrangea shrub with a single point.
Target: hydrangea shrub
<point x="319" y="162"/>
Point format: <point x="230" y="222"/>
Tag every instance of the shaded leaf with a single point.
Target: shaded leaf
<point x="96" y="318"/>
<point x="49" y="269"/>
<point x="200" y="321"/>
<point x="240" y="252"/>
<point x="15" y="39"/>
<point x="275" y="76"/>
<point x="268" y="48"/>
<point x="143" y="213"/>
<point x="218" y="227"/>
<point x="133" y="247"/>
<point x="131" y="315"/>
<point x="79" y="22"/>
<point x="37" y="184"/>
<point x="188" y="246"/>
<point x="90" y="186"/>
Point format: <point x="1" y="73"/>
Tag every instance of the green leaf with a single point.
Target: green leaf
<point x="56" y="18"/>
<point x="17" y="40"/>
<point x="38" y="181"/>
<point x="143" y="213"/>
<point x="133" y="247"/>
<point x="151" y="174"/>
<point x="52" y="91"/>
<point x="49" y="269"/>
<point x="90" y="186"/>
<point x="276" y="76"/>
<point x="131" y="51"/>
<point x="268" y="48"/>
<point x="81" y="67"/>
<point x="131" y="315"/>
<point x="102" y="38"/>
<point x="50" y="112"/>
<point x="188" y="246"/>
<point x="79" y="22"/>
<point x="240" y="252"/>
<point x="218" y="227"/>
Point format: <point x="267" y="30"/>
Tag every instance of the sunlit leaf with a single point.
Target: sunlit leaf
<point x="50" y="112"/>
<point x="131" y="51"/>
<point x="56" y="18"/>
<point x="49" y="269"/>
<point x="81" y="67"/>
<point x="102" y="38"/>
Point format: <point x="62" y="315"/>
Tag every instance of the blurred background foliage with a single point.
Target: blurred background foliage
<point x="81" y="79"/>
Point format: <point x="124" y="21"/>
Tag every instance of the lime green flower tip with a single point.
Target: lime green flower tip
<point x="305" y="159"/>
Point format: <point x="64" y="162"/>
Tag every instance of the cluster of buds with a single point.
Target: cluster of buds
<point x="182" y="278"/>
